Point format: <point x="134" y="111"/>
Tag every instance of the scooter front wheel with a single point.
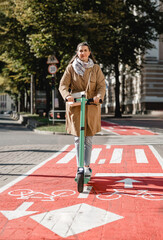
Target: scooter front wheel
<point x="80" y="182"/>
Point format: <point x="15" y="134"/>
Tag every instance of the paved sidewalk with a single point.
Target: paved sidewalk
<point x="18" y="160"/>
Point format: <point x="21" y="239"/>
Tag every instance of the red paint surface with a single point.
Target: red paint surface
<point x="143" y="217"/>
<point x="125" y="130"/>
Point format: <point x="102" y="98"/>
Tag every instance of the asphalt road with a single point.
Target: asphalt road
<point x="21" y="148"/>
<point x="13" y="133"/>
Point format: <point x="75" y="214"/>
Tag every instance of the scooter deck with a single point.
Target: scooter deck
<point x="87" y="179"/>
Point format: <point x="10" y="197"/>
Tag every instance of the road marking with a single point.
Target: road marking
<point x="108" y="146"/>
<point x="68" y="157"/>
<point x="19" y="212"/>
<point x="128" y="182"/>
<point x="130" y="130"/>
<point x="85" y="192"/>
<point x="140" y="156"/>
<point x="136" y="133"/>
<point x="75" y="219"/>
<point x="2" y="189"/>
<point x="112" y="131"/>
<point x="29" y="193"/>
<point x="117" y="155"/>
<point x="118" y="193"/>
<point x="95" y="154"/>
<point x="101" y="161"/>
<point x="129" y="174"/>
<point x="157" y="155"/>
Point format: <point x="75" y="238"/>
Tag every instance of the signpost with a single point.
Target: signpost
<point x="52" y="69"/>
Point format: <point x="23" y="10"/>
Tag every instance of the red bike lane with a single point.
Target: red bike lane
<point x="123" y="200"/>
<point x="125" y="130"/>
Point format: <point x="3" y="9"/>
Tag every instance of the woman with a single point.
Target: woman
<point x="83" y="74"/>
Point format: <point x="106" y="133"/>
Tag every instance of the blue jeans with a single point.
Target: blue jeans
<point x="87" y="149"/>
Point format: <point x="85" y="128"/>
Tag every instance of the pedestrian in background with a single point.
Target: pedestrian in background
<point x="83" y="74"/>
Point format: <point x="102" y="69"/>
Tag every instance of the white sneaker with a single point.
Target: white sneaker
<point x="79" y="170"/>
<point x="87" y="171"/>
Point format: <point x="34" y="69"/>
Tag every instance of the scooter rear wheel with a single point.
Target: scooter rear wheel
<point x="80" y="182"/>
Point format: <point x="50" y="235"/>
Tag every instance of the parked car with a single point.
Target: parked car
<point x="8" y="112"/>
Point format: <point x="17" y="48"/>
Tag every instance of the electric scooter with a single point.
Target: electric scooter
<point x="80" y="178"/>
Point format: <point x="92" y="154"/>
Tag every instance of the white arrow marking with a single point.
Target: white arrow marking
<point x="128" y="182"/>
<point x="19" y="212"/>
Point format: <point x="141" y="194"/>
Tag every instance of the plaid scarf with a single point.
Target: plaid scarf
<point x="80" y="66"/>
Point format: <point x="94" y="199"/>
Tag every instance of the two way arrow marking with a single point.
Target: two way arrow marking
<point x="128" y="182"/>
<point x="19" y="212"/>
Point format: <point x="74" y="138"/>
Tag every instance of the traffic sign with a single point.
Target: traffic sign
<point x="52" y="69"/>
<point x="52" y="59"/>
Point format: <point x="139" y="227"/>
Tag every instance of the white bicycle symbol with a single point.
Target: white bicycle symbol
<point x="28" y="193"/>
<point x="107" y="196"/>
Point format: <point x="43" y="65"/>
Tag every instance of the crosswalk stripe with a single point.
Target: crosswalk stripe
<point x="140" y="156"/>
<point x="109" y="130"/>
<point x="101" y="161"/>
<point x="95" y="154"/>
<point x="157" y="155"/>
<point x="117" y="155"/>
<point x="108" y="146"/>
<point x="137" y="133"/>
<point x="67" y="158"/>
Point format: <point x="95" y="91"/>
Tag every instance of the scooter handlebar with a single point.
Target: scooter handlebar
<point x="89" y="101"/>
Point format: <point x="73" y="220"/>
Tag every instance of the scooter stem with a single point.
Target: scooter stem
<point x="82" y="128"/>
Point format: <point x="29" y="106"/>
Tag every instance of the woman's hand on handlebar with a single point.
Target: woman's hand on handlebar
<point x="96" y="99"/>
<point x="69" y="99"/>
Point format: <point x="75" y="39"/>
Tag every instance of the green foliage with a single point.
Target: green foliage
<point x="119" y="31"/>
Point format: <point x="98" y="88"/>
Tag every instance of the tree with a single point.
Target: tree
<point x="17" y="56"/>
<point x="119" y="31"/>
<point x="124" y="32"/>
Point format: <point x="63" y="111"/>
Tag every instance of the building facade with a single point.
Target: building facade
<point x="152" y="79"/>
<point x="6" y="103"/>
<point x="141" y="92"/>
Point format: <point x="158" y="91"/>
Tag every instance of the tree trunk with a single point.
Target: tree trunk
<point x="117" y="88"/>
<point x="123" y="93"/>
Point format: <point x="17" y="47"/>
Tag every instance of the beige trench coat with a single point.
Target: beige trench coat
<point x="71" y="80"/>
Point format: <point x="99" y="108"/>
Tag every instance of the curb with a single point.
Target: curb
<point x="63" y="133"/>
<point x="49" y="132"/>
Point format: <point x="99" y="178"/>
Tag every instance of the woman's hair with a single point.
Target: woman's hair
<point x="81" y="45"/>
